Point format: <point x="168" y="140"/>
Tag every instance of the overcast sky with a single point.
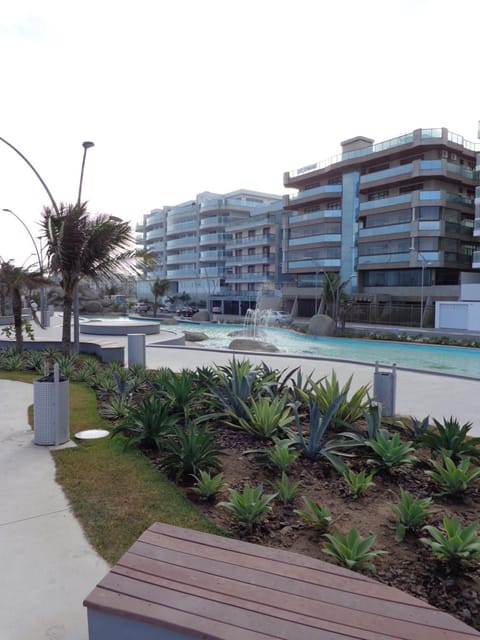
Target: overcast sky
<point x="184" y="96"/>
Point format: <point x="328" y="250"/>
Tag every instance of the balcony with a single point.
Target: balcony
<point x="312" y="216"/>
<point x="266" y="239"/>
<point x="213" y="254"/>
<point x="384" y="231"/>
<point x="476" y="260"/>
<point x="155" y="233"/>
<point x="155" y="218"/>
<point x="404" y="198"/>
<point x="250" y="223"/>
<point x="405" y="169"/>
<point x="392" y="258"/>
<point x="314" y="265"/>
<point x="188" y="225"/>
<point x="187" y="241"/>
<point x="214" y="221"/>
<point x="257" y="258"/>
<point x="213" y="238"/>
<point x="182" y="273"/>
<point x="249" y="277"/>
<point x="317" y="192"/>
<point x="476" y="228"/>
<point x="319" y="239"/>
<point x="180" y="258"/>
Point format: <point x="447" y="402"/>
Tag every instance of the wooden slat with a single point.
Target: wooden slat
<point x="223" y="589"/>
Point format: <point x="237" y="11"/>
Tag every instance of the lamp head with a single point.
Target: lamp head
<point x="87" y="144"/>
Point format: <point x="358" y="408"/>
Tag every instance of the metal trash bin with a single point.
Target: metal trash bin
<point x="136" y="349"/>
<point x="51" y="421"/>
<point x="385" y="389"/>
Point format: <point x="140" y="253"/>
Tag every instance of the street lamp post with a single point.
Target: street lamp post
<point x="76" y="306"/>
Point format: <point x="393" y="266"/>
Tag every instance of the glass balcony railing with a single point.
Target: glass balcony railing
<point x="181" y="273"/>
<point x="178" y="258"/>
<point x="155" y="233"/>
<point x="214" y="238"/>
<point x="212" y="255"/>
<point x="311" y="216"/>
<point x="188" y="241"/>
<point x="459" y="199"/>
<point x="326" y="189"/>
<point x="384" y="258"/>
<point x="181" y="226"/>
<point x="429" y="225"/>
<point x="476" y="260"/>
<point x="252" y="240"/>
<point x="214" y="221"/>
<point x="384" y="231"/>
<point x="257" y="258"/>
<point x="249" y="277"/>
<point x="318" y="239"/>
<point x="387" y="173"/>
<point x="404" y="198"/>
<point x="314" y="264"/>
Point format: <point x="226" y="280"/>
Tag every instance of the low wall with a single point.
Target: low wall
<point x="107" y="352"/>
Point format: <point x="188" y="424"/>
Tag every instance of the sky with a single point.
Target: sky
<point x="185" y="96"/>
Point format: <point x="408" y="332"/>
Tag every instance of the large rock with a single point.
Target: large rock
<point x="249" y="332"/>
<point x="247" y="344"/>
<point x="321" y="325"/>
<point x="195" y="336"/>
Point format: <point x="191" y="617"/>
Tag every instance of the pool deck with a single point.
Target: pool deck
<point x="418" y="394"/>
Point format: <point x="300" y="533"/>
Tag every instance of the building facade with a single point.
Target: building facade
<point x="199" y="247"/>
<point x="394" y="219"/>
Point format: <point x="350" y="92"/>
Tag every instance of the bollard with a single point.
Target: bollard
<point x="385" y="389"/>
<point x="136" y="349"/>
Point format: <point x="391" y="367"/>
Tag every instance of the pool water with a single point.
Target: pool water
<point x="438" y="358"/>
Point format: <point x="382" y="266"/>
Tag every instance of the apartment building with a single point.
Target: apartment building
<point x="394" y="219"/>
<point x="194" y="245"/>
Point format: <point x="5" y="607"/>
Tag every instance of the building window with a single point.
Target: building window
<point x="411" y="187"/>
<point x="378" y="195"/>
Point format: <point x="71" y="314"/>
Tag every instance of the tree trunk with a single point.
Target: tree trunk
<point x="67" y="323"/>
<point x="17" y="318"/>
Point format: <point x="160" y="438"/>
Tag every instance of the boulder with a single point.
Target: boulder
<point x="195" y="336"/>
<point x="248" y="333"/>
<point x="248" y="344"/>
<point x="92" y="306"/>
<point x="321" y="325"/>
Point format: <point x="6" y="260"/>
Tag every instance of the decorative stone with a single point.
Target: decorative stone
<point x="321" y="325"/>
<point x="202" y="316"/>
<point x="247" y="344"/>
<point x="195" y="336"/>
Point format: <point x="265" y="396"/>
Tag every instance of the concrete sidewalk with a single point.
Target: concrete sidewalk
<point x="48" y="567"/>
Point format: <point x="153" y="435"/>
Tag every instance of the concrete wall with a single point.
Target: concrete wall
<point x="457" y="315"/>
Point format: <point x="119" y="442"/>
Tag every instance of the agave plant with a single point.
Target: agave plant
<point x="350" y="409"/>
<point x="206" y="485"/>
<point x="411" y="513"/>
<point x="265" y="417"/>
<point x="190" y="451"/>
<point x="452" y="479"/>
<point x="389" y="451"/>
<point x="452" y="439"/>
<point x="317" y="443"/>
<point x="352" y="550"/>
<point x="282" y="454"/>
<point x="457" y="545"/>
<point x="235" y="387"/>
<point x="285" y="489"/>
<point x="250" y="506"/>
<point x="358" y="483"/>
<point x="150" y="423"/>
<point x="316" y="515"/>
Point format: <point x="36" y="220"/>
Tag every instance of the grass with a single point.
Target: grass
<point x="115" y="494"/>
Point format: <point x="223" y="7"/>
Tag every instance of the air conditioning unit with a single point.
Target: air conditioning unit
<point x="444" y="154"/>
<point x="453" y="156"/>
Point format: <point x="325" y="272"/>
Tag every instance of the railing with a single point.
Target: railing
<point x="404" y="198"/>
<point x="252" y="240"/>
<point x="384" y="258"/>
<point x="257" y="258"/>
<point x="182" y="242"/>
<point x="385" y="230"/>
<point x="314" y="264"/>
<point x="326" y="189"/>
<point x="476" y="260"/>
<point x="318" y="239"/>
<point x="315" y="215"/>
<point x="214" y="238"/>
<point x="249" y="277"/>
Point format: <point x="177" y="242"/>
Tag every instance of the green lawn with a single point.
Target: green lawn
<point x="115" y="494"/>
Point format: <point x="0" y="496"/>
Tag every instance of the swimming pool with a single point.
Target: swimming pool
<point x="438" y="358"/>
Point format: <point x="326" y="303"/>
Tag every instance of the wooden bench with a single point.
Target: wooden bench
<point x="179" y="584"/>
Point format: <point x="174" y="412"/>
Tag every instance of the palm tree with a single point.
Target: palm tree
<point x="12" y="280"/>
<point x="332" y="293"/>
<point x="159" y="288"/>
<point x="82" y="246"/>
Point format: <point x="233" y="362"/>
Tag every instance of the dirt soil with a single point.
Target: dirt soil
<point x="408" y="565"/>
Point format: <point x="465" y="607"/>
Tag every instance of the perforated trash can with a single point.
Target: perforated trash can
<point x="51" y="421"/>
<point x="385" y="389"/>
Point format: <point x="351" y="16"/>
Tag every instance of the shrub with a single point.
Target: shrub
<point x="352" y="551"/>
<point x="411" y="513"/>
<point x="350" y="409"/>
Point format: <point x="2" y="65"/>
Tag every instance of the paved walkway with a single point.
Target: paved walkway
<point x="47" y="565"/>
